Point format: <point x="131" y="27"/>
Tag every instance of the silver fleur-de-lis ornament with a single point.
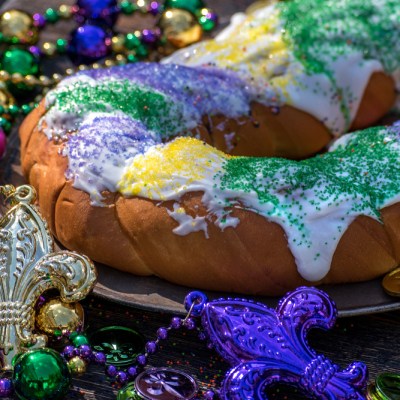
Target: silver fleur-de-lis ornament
<point x="28" y="267"/>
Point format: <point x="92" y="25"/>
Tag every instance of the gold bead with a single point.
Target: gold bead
<point x="77" y="366"/>
<point x="117" y="43"/>
<point x="69" y="71"/>
<point x="120" y="59"/>
<point x="96" y="66"/>
<point x="49" y="48"/>
<point x="57" y="77"/>
<point x="83" y="67"/>
<point x="65" y="11"/>
<point x="31" y="80"/>
<point x="19" y="25"/>
<point x="44" y="80"/>
<point x="6" y="98"/>
<point x="16" y="77"/>
<point x="180" y="27"/>
<point x="4" y="76"/>
<point x="58" y="315"/>
<point x="109" y="63"/>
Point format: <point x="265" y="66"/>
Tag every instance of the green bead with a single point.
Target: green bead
<point x="79" y="340"/>
<point x="13" y="109"/>
<point x="127" y="7"/>
<point x="2" y="110"/>
<point x="61" y="45"/>
<point x="51" y="15"/>
<point x="41" y="375"/>
<point x="142" y="51"/>
<point x="132" y="41"/>
<point x="206" y="23"/>
<point x="388" y="386"/>
<point x="26" y="108"/>
<point x="189" y="5"/>
<point x="132" y="58"/>
<point x="19" y="61"/>
<point x="5" y="124"/>
<point x="129" y="393"/>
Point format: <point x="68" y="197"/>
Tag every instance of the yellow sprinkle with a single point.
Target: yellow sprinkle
<point x="170" y="168"/>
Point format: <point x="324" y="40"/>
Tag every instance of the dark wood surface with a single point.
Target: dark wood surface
<point x="372" y="339"/>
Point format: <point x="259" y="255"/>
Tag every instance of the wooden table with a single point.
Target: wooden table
<point x="373" y="339"/>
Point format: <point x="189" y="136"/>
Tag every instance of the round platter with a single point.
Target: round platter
<point x="154" y="294"/>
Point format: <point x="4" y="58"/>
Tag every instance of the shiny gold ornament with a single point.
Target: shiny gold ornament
<point x="18" y="25"/>
<point x="391" y="282"/>
<point x="59" y="315"/>
<point x="76" y="366"/>
<point x="29" y="266"/>
<point x="180" y="27"/>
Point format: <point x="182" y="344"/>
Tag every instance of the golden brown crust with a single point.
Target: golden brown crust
<point x="136" y="235"/>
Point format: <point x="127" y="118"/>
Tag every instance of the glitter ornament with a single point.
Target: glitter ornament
<point x="41" y="375"/>
<point x="88" y="44"/>
<point x="18" y="27"/>
<point x="77" y="366"/>
<point x="19" y="61"/>
<point x="180" y="27"/>
<point x="58" y="315"/>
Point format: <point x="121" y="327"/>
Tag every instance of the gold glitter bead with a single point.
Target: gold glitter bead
<point x="16" y="78"/>
<point x="31" y="80"/>
<point x="57" y="77"/>
<point x="65" y="11"/>
<point x="44" y="80"/>
<point x="117" y="43"/>
<point x="49" y="48"/>
<point x="17" y="24"/>
<point x="6" y="98"/>
<point x="77" y="366"/>
<point x="180" y="27"/>
<point x="58" y="315"/>
<point x="4" y="76"/>
<point x="109" y="63"/>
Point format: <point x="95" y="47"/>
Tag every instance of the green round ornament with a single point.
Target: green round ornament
<point x="189" y="5"/>
<point x="388" y="385"/>
<point x="79" y="340"/>
<point x="20" y="61"/>
<point x="41" y="375"/>
<point x="129" y="393"/>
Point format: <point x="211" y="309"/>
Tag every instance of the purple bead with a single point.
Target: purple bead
<point x="121" y="377"/>
<point x="212" y="16"/>
<point x="195" y="302"/>
<point x="202" y="336"/>
<point x="149" y="36"/>
<point x="141" y="359"/>
<point x="162" y="333"/>
<point x="190" y="323"/>
<point x="151" y="347"/>
<point x="209" y="395"/>
<point x="154" y="7"/>
<point x="105" y="11"/>
<point x="6" y="387"/>
<point x="132" y="371"/>
<point x="111" y="371"/>
<point x="99" y="357"/>
<point x="176" y="322"/>
<point x="39" y="20"/>
<point x="88" y="43"/>
<point x="69" y="352"/>
<point x="85" y="351"/>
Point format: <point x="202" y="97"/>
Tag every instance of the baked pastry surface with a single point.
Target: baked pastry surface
<point x="116" y="183"/>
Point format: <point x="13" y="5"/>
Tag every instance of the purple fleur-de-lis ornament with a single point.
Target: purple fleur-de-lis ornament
<point x="265" y="346"/>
